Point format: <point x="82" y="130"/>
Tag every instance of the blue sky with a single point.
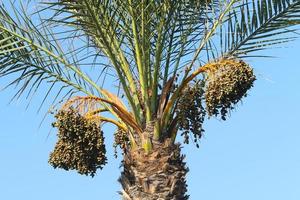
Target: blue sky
<point x="253" y="155"/>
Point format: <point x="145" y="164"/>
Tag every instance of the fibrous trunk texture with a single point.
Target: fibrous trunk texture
<point x="158" y="175"/>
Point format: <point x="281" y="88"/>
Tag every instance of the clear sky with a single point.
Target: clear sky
<point x="253" y="155"/>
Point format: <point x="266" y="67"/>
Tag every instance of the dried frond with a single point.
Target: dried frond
<point x="83" y="105"/>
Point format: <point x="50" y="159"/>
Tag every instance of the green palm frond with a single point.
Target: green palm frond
<point x="144" y="40"/>
<point x="259" y="24"/>
<point x="187" y="78"/>
<point x="102" y="21"/>
<point x="32" y="55"/>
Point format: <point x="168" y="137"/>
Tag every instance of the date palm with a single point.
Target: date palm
<point x="173" y="63"/>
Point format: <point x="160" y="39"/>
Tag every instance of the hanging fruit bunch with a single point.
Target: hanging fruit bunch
<point x="227" y="82"/>
<point x="190" y="111"/>
<point x="120" y="139"/>
<point x="80" y="144"/>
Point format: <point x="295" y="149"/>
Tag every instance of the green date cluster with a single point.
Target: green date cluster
<point x="80" y="144"/>
<point x="191" y="112"/>
<point x="227" y="84"/>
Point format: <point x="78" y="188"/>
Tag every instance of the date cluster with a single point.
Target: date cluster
<point x="227" y="83"/>
<point x="190" y="111"/>
<point x="80" y="144"/>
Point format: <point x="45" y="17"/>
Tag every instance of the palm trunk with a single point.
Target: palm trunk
<point x="159" y="175"/>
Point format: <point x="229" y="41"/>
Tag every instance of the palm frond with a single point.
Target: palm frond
<point x="258" y="25"/>
<point x="187" y="78"/>
<point x="32" y="56"/>
<point x="102" y="22"/>
<point x="136" y="37"/>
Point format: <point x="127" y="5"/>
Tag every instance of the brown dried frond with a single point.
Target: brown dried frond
<point x="83" y="105"/>
<point x="228" y="81"/>
<point x="80" y="144"/>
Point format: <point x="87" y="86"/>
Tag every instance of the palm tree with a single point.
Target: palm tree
<point x="173" y="63"/>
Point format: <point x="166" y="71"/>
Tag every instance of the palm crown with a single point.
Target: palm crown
<point x="174" y="61"/>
